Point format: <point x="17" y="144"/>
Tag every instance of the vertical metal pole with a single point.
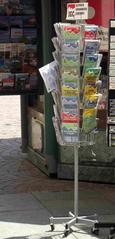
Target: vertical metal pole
<point x="76" y="180"/>
<point x="24" y="124"/>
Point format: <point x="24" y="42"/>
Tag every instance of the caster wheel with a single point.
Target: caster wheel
<point x="66" y="233"/>
<point x="95" y="231"/>
<point x="52" y="227"/>
<point x="111" y="237"/>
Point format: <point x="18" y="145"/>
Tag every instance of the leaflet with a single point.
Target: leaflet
<point x="71" y="31"/>
<point x="68" y="117"/>
<point x="70" y="61"/>
<point x="70" y="132"/>
<point x="90" y="47"/>
<point x="92" y="61"/>
<point x="70" y="79"/>
<point x="89" y="120"/>
<point x="90" y="32"/>
<point x="49" y="75"/>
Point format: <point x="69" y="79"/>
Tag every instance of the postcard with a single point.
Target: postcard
<point x="12" y="8"/>
<point x="28" y="7"/>
<point x="7" y="80"/>
<point x="4" y="29"/>
<point x="29" y="21"/>
<point x="30" y="55"/>
<point x="70" y="132"/>
<point x="21" y="80"/>
<point x="30" y="35"/>
<point x="16" y="34"/>
<point x="16" y="22"/>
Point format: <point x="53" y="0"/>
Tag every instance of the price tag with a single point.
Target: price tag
<point x="77" y="11"/>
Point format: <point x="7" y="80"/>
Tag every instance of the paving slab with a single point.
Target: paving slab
<point x="63" y="202"/>
<point x="31" y="220"/>
<point x="17" y="202"/>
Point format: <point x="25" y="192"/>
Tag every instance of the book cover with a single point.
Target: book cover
<point x="70" y="104"/>
<point x="70" y="79"/>
<point x="15" y="22"/>
<point x="68" y="117"/>
<point x="30" y="35"/>
<point x="16" y="64"/>
<point x="2" y="11"/>
<point x="12" y="8"/>
<point x="70" y="132"/>
<point x="28" y="7"/>
<point x="4" y="29"/>
<point x="16" y="34"/>
<point x="30" y="54"/>
<point x="21" y="81"/>
<point x="7" y="80"/>
<point x="7" y="57"/>
<point x="2" y="57"/>
<point x="29" y="21"/>
<point x="33" y="77"/>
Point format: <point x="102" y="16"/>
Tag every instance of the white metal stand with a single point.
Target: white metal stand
<point x="72" y="219"/>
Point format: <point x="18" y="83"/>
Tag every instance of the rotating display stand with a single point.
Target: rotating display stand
<point x="71" y="88"/>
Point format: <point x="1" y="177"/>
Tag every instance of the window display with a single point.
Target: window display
<point x="18" y="47"/>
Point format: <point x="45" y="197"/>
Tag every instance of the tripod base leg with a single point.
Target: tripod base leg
<point x="72" y="220"/>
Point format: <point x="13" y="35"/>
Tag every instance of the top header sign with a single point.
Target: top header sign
<point x="77" y="11"/>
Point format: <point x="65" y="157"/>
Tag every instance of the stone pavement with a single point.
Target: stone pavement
<point x="16" y="173"/>
<point x="26" y="215"/>
<point x="28" y="197"/>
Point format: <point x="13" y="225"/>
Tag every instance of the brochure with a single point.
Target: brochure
<point x="90" y="32"/>
<point x="70" y="133"/>
<point x="71" y="31"/>
<point x="49" y="76"/>
<point x="89" y="120"/>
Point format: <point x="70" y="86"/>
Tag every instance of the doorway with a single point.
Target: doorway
<point x="11" y="154"/>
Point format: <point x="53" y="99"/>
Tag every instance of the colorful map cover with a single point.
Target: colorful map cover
<point x="70" y="79"/>
<point x="90" y="32"/>
<point x="70" y="105"/>
<point x="91" y="75"/>
<point x="70" y="31"/>
<point x="89" y="120"/>
<point x="70" y="46"/>
<point x="70" y="61"/>
<point x="69" y="91"/>
<point x="92" y="61"/>
<point x="68" y="117"/>
<point x="90" y="47"/>
<point x="70" y="132"/>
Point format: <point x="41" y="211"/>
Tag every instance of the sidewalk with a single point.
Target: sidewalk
<point x="28" y="197"/>
<point x="26" y="215"/>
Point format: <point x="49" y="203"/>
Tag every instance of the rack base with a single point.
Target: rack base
<point x="72" y="220"/>
<point x="109" y="225"/>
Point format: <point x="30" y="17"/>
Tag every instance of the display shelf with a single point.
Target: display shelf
<point x="18" y="92"/>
